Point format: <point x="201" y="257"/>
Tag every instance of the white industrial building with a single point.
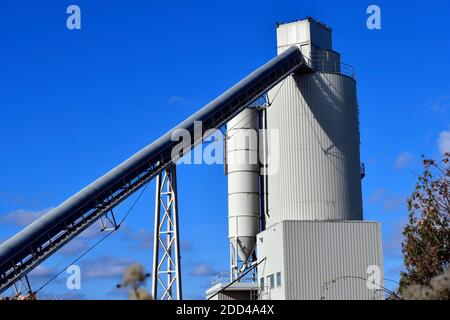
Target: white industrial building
<point x="299" y="230"/>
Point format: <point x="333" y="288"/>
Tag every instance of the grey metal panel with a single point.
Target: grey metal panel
<point x="319" y="252"/>
<point x="319" y="168"/>
<point x="307" y="34"/>
<point x="214" y="114"/>
<point x="320" y="35"/>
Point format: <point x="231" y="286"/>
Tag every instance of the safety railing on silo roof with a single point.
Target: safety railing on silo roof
<point x="322" y="61"/>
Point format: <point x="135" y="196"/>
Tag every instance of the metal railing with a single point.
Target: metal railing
<point x="224" y="277"/>
<point x="329" y="62"/>
<point x="334" y="67"/>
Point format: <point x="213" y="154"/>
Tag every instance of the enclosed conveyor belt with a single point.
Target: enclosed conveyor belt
<point x="24" y="251"/>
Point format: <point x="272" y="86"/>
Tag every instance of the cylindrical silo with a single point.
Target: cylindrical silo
<point x="242" y="169"/>
<point x="318" y="175"/>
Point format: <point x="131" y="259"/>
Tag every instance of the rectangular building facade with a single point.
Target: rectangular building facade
<point x="310" y="260"/>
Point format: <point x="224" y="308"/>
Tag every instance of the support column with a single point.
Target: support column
<point x="166" y="242"/>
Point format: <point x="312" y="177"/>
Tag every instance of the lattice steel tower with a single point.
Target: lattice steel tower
<point x="166" y="246"/>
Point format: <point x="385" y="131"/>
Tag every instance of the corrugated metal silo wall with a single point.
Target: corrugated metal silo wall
<point x="318" y="174"/>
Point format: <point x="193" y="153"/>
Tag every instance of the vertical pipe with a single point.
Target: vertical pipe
<point x="263" y="176"/>
<point x="231" y="261"/>
<point x="156" y="238"/>
<point x="261" y="170"/>
<point x="236" y="257"/>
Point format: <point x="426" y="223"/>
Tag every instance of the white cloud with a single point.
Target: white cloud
<point x="387" y="200"/>
<point x="105" y="267"/>
<point x="392" y="242"/>
<point x="139" y="240"/>
<point x="187" y="246"/>
<point x="142" y="240"/>
<point x="42" y="273"/>
<point x="403" y="160"/>
<point x="91" y="232"/>
<point x="22" y="218"/>
<point x="444" y="142"/>
<point x="176" y="99"/>
<point x="394" y="202"/>
<point x="377" y="195"/>
<point x="203" y="270"/>
<point x="442" y="105"/>
<point x="74" y="247"/>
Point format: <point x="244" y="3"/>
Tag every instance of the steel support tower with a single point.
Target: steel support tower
<point x="166" y="243"/>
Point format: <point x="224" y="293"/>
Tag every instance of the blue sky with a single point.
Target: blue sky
<point x="76" y="103"/>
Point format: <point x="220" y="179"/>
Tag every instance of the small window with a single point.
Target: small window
<point x="271" y="281"/>
<point x="278" y="279"/>
<point x="261" y="284"/>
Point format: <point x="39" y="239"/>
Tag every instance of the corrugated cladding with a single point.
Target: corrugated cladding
<point x="319" y="252"/>
<point x="318" y="174"/>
